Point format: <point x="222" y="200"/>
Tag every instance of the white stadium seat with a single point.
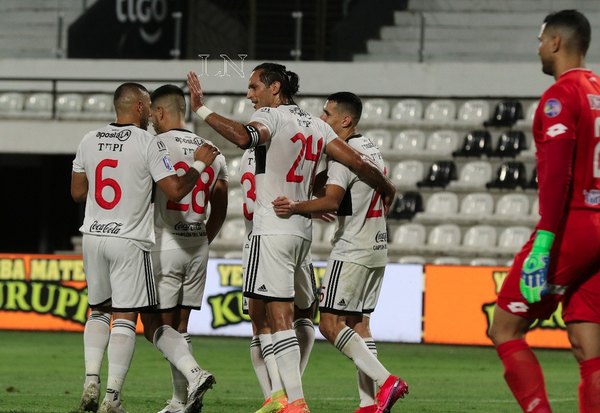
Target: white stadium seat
<point x="38" y="105"/>
<point x="375" y="110"/>
<point x="439" y="207"/>
<point x="483" y="262"/>
<point x="511" y="239"/>
<point x="223" y="105"/>
<point x="233" y="230"/>
<point x="409" y="236"/>
<point x="473" y="112"/>
<point x="511" y="208"/>
<point x="98" y="106"/>
<point x="479" y="239"/>
<point x="243" y="109"/>
<point x="407" y="173"/>
<point x="407" y="112"/>
<point x="233" y="170"/>
<point x="69" y="105"/>
<point x="475" y="207"/>
<point x="409" y="142"/>
<point x="473" y="175"/>
<point x="443" y="238"/>
<point x="441" y="142"/>
<point x="440" y="112"/>
<point x="447" y="261"/>
<point x="11" y="103"/>
<point x="314" y="106"/>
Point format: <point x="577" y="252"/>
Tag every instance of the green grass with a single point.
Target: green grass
<point x="43" y="372"/>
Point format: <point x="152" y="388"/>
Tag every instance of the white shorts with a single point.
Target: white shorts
<point x="349" y="288"/>
<point x="275" y="262"/>
<point x="118" y="273"/>
<point x="305" y="287"/>
<point x="180" y="276"/>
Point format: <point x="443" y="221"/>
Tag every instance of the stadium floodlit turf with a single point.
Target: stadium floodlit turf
<point x="43" y="373"/>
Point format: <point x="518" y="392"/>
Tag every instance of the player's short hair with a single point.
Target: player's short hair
<point x="576" y="23"/>
<point x="274" y="72"/>
<point x="173" y="93"/>
<point x="348" y="102"/>
<point x="127" y="89"/>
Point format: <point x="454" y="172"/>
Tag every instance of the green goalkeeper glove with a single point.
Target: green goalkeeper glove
<point x="535" y="268"/>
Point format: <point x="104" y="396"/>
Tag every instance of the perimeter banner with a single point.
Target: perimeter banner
<point x="459" y="305"/>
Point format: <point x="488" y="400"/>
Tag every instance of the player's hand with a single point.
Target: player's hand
<point x="284" y="207"/>
<point x="206" y="153"/>
<point x="388" y="199"/>
<point x="534" y="274"/>
<point x="196" y="94"/>
<point x="324" y="216"/>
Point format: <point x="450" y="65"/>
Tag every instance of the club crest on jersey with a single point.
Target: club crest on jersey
<point x="594" y="101"/>
<point x="552" y="108"/>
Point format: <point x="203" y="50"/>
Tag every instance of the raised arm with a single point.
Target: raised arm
<point x="364" y="168"/>
<point x="244" y="136"/>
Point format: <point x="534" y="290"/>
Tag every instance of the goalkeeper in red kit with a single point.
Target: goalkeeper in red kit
<point x="561" y="261"/>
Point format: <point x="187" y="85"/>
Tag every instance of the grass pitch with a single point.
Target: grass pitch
<point x="43" y="373"/>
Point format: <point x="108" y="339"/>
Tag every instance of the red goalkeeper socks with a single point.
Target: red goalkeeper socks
<point x="524" y="376"/>
<point x="589" y="387"/>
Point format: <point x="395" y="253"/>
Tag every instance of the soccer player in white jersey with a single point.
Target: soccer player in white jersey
<point x="261" y="346"/>
<point x="180" y="255"/>
<point x="351" y="286"/>
<point x="288" y="145"/>
<point x="113" y="173"/>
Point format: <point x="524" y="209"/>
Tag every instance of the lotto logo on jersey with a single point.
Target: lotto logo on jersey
<point x="555" y="130"/>
<point x="552" y="108"/>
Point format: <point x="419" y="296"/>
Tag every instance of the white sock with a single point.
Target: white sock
<point x="120" y="352"/>
<point x="366" y="385"/>
<point x="266" y="346"/>
<point x="260" y="368"/>
<point x="287" y="354"/>
<point x="174" y="347"/>
<point x="179" y="381"/>
<point x="353" y="346"/>
<point x="95" y="340"/>
<point x="305" y="331"/>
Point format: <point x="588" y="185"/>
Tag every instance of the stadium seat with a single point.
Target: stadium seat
<point x="443" y="238"/>
<point x="233" y="170"/>
<point x="221" y="104"/>
<point x="317" y="230"/>
<point x="479" y="239"/>
<point x="441" y="143"/>
<point x="11" y="104"/>
<point x="512" y="205"/>
<point x="69" y="105"/>
<point x="235" y="202"/>
<point x="233" y="230"/>
<point x="407" y="111"/>
<point x="473" y="175"/>
<point x="409" y="142"/>
<point x="475" y="207"/>
<point x="529" y="114"/>
<point x="512" y="238"/>
<point x="440" y="112"/>
<point x="447" y="261"/>
<point x="406" y="205"/>
<point x="476" y="143"/>
<point x="510" y="144"/>
<point x="375" y="110"/>
<point x="98" y="106"/>
<point x="243" y="109"/>
<point x="380" y="137"/>
<point x="506" y="113"/>
<point x="473" y="112"/>
<point x="407" y="173"/>
<point x="439" y="207"/>
<point x="410" y="236"/>
<point x="439" y="175"/>
<point x="483" y="262"/>
<point x="509" y="175"/>
<point x="39" y="105"/>
<point x="314" y="106"/>
<point x="532" y="183"/>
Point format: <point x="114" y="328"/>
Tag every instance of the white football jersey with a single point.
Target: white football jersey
<point x="286" y="165"/>
<point x="121" y="162"/>
<point x="247" y="168"/>
<point x="360" y="235"/>
<point x="182" y="224"/>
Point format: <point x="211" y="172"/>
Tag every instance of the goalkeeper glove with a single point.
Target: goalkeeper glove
<point x="535" y="268"/>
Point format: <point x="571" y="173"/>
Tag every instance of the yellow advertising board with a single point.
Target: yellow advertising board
<point x="459" y="305"/>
